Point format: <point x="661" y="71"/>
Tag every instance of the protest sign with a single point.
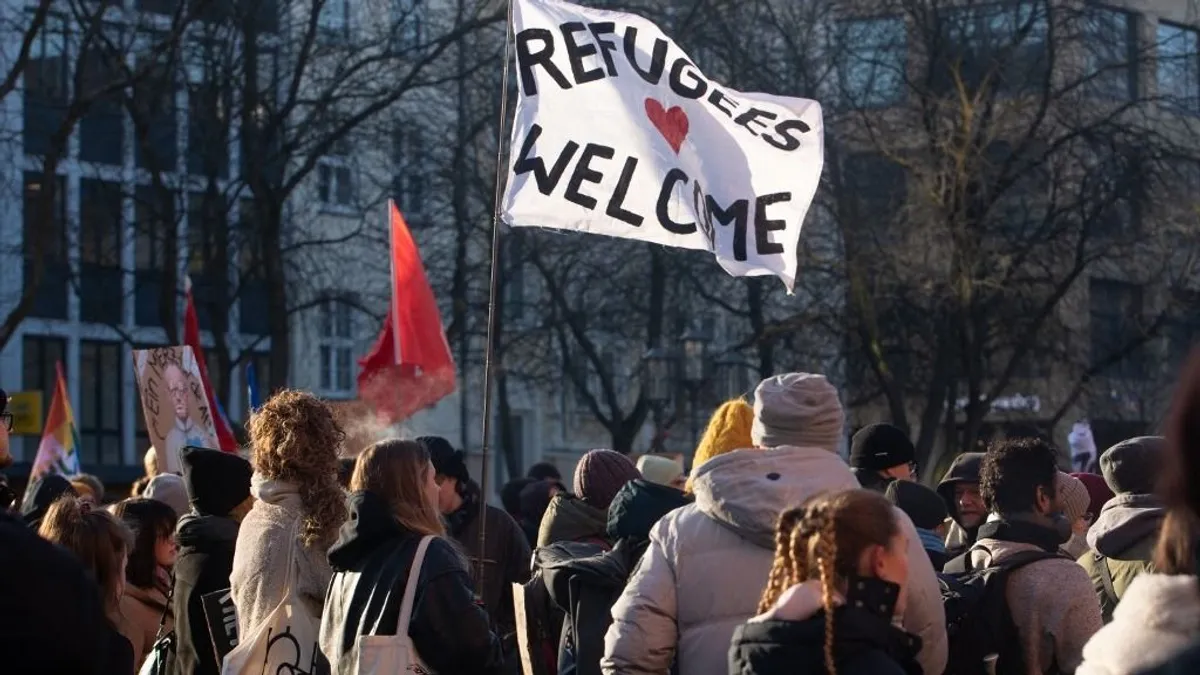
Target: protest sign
<point x="174" y="402"/>
<point x="617" y="132"/>
<point x="221" y="617"/>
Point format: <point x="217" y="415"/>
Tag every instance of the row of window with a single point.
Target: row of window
<point x="1006" y="44"/>
<point x="101" y="392"/>
<point x="101" y="236"/>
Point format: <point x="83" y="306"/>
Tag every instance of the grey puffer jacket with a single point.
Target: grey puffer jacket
<point x="707" y="565"/>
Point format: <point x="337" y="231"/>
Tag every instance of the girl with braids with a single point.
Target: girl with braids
<point x="842" y="556"/>
<point x="298" y="508"/>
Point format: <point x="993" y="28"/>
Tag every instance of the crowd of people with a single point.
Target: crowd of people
<point x="773" y="554"/>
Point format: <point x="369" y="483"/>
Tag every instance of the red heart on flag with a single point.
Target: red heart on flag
<point x="672" y="124"/>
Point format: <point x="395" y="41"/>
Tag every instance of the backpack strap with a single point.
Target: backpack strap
<point x="1101" y="563"/>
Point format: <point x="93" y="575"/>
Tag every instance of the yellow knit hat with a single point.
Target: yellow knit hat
<point x="728" y="430"/>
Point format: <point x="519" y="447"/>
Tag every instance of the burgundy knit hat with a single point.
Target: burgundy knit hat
<point x="1098" y="491"/>
<point x="600" y="474"/>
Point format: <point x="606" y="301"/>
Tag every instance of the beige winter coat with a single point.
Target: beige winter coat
<point x="1052" y="604"/>
<point x="141" y="611"/>
<point x="1158" y="617"/>
<point x="259" y="578"/>
<point x="707" y="565"/>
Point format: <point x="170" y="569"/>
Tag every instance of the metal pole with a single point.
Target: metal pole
<point x="493" y="296"/>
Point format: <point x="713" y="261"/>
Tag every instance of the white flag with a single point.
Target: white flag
<point x="618" y="133"/>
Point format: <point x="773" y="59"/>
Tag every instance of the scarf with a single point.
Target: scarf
<point x="1022" y="532"/>
<point x="466" y="513"/>
<point x="930" y="541"/>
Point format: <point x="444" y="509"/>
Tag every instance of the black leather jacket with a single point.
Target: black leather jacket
<point x="371" y="562"/>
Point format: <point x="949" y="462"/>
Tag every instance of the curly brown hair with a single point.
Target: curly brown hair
<point x="295" y="438"/>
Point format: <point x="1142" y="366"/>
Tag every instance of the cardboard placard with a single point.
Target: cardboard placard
<point x="221" y="616"/>
<point x="174" y="402"/>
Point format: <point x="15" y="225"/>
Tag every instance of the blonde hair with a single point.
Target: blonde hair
<point x="295" y="438"/>
<point x="728" y="430"/>
<point x="824" y="539"/>
<point x="98" y="540"/>
<point x="397" y="471"/>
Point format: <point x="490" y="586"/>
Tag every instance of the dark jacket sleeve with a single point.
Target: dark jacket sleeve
<point x="449" y="630"/>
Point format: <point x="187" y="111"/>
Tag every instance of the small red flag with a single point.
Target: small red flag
<point x="410" y="366"/>
<point x="191" y="338"/>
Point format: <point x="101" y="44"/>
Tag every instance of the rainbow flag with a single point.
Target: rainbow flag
<point x="59" y="450"/>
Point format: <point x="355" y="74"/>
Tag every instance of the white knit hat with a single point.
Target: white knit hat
<point x="797" y="409"/>
<point x="660" y="469"/>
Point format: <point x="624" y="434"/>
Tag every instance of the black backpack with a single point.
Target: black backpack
<point x="979" y="625"/>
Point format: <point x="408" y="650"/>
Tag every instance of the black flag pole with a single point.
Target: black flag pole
<point x="493" y="292"/>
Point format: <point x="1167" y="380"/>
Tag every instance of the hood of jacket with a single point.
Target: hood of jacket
<point x="1156" y="618"/>
<point x="370" y="523"/>
<point x="571" y="519"/>
<point x="274" y="491"/>
<point x="964" y="469"/>
<point x="206" y="533"/>
<point x="589" y="563"/>
<point x="746" y="490"/>
<point x="1124" y="522"/>
<point x="639" y="505"/>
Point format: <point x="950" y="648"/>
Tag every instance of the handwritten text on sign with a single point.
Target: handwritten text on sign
<point x="618" y="133"/>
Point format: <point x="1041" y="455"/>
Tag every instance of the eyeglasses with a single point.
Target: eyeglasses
<point x="7" y="419"/>
<point x="912" y="470"/>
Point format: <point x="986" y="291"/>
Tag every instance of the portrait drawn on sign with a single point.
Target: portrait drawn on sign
<point x="174" y="402"/>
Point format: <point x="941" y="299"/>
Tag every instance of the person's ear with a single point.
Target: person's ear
<point x="1044" y="501"/>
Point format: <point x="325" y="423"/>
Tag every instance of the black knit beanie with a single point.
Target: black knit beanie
<point x="879" y="447"/>
<point x="216" y="481"/>
<point x="446" y="460"/>
<point x="924" y="506"/>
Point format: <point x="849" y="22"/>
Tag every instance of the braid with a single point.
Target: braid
<point x="779" y="580"/>
<point x="826" y="554"/>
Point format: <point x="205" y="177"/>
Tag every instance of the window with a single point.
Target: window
<point x="100" y="289"/>
<point x="208" y="129"/>
<point x="1111" y="38"/>
<point x="1017" y="209"/>
<point x="40" y="355"/>
<point x="409" y="27"/>
<point x="154" y="257"/>
<point x="46" y="95"/>
<point x="875" y="57"/>
<point x="1183" y="331"/>
<point x="337" y="347"/>
<point x="408" y="181"/>
<point x="333" y="21"/>
<point x="874" y="193"/>
<point x="335" y="185"/>
<point x="253" y="307"/>
<point x="1114" y="189"/>
<point x="1179" y="67"/>
<point x="45" y="245"/>
<point x="100" y="393"/>
<point x="102" y="129"/>
<point x="1001" y="45"/>
<point x="154" y="112"/>
<point x="208" y="259"/>
<point x="1116" y="308"/>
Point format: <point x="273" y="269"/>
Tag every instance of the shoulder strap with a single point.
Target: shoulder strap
<point x="1101" y="562"/>
<point x="410" y="587"/>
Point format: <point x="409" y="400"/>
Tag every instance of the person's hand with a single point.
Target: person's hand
<point x="798" y="603"/>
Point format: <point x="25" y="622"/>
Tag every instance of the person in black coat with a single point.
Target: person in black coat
<point x="52" y="619"/>
<point x="586" y="588"/>
<point x="218" y="486"/>
<point x="837" y="583"/>
<point x="41" y="494"/>
<point x="393" y="506"/>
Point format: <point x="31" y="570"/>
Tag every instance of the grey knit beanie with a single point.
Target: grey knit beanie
<point x="797" y="409"/>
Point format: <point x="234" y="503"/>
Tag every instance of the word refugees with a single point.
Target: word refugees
<point x="618" y="133"/>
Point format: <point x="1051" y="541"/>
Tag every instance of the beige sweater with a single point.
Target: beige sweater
<point x="141" y="611"/>
<point x="259" y="578"/>
<point x="1052" y="603"/>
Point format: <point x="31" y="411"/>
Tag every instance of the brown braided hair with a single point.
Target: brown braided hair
<point x="824" y="540"/>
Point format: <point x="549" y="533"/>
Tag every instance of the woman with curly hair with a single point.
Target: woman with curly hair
<point x="840" y="570"/>
<point x="298" y="508"/>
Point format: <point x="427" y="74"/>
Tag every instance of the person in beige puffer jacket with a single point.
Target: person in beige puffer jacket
<point x="707" y="564"/>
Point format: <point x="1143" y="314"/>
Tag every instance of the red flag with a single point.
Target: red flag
<point x="410" y="366"/>
<point x="191" y="338"/>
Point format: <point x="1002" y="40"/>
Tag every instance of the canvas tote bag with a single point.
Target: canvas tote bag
<point x="390" y="654"/>
<point x="287" y="640"/>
